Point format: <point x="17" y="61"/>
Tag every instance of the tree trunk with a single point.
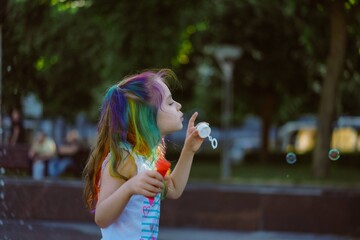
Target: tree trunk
<point x="334" y="67"/>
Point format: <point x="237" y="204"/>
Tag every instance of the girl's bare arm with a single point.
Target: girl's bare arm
<point x="177" y="180"/>
<point x="115" y="193"/>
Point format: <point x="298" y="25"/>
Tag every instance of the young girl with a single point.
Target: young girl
<point x="120" y="176"/>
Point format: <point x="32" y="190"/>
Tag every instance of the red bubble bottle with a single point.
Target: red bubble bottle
<point x="162" y="166"/>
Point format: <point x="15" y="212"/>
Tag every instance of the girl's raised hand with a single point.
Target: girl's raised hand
<point x="193" y="141"/>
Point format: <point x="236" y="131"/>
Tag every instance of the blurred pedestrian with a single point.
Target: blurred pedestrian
<point x="42" y="150"/>
<point x="17" y="132"/>
<point x="66" y="154"/>
<point x="120" y="175"/>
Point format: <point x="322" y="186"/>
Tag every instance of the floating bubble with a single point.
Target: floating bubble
<point x="334" y="154"/>
<point x="2" y="195"/>
<point x="291" y="158"/>
<point x="2" y="183"/>
<point x="2" y="171"/>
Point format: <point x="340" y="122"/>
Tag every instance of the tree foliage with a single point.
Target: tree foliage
<point x="68" y="52"/>
<point x="64" y="51"/>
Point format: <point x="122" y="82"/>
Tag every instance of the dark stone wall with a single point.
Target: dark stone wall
<point x="43" y="200"/>
<point x="234" y="207"/>
<point x="254" y="208"/>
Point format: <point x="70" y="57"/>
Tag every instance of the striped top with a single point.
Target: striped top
<point x="140" y="219"/>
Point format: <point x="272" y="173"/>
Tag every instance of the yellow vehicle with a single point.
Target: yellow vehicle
<point x="301" y="138"/>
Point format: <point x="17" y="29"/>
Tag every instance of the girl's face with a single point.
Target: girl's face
<point x="169" y="116"/>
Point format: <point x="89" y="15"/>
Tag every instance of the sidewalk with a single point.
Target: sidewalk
<point x="46" y="230"/>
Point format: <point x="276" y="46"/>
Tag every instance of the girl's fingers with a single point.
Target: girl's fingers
<point x="192" y="120"/>
<point x="157" y="184"/>
<point x="155" y="179"/>
<point x="194" y="134"/>
<point x="153" y="189"/>
<point x="155" y="174"/>
<point x="148" y="193"/>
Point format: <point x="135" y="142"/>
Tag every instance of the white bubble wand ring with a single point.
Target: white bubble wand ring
<point x="204" y="132"/>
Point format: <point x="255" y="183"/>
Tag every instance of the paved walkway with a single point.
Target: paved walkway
<point x="46" y="230"/>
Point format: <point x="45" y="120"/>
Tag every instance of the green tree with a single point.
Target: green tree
<point x="335" y="68"/>
<point x="45" y="54"/>
<point x="270" y="78"/>
<point x="68" y="52"/>
<point x="327" y="29"/>
<point x="285" y="43"/>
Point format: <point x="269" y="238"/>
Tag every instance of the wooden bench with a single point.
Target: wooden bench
<point x="14" y="157"/>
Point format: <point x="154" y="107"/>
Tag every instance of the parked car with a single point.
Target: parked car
<point x="300" y="136"/>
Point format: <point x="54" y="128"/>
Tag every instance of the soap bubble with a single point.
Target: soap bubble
<point x="334" y="154"/>
<point x="291" y="158"/>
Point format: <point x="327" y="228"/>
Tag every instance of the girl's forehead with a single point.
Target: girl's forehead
<point x="164" y="87"/>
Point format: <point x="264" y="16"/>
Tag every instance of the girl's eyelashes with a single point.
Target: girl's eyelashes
<point x="171" y="102"/>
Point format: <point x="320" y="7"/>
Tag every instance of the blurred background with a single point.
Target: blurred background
<point x="272" y="78"/>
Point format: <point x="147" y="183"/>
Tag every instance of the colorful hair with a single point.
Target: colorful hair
<point x="128" y="118"/>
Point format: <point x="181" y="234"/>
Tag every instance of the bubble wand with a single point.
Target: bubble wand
<point x="162" y="166"/>
<point x="204" y="132"/>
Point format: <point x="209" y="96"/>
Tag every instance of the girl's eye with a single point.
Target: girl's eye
<point x="171" y="103"/>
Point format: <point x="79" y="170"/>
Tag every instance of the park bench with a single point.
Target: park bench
<point x="14" y="157"/>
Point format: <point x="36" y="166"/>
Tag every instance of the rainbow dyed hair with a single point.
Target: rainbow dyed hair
<point x="128" y="120"/>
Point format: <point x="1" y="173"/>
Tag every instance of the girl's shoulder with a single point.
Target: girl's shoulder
<point x="105" y="162"/>
<point x="125" y="155"/>
<point x="130" y="162"/>
<point x="127" y="165"/>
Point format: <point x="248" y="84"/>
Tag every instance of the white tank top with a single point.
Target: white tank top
<point x="139" y="219"/>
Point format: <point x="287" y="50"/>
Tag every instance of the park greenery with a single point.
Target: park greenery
<point x="298" y="56"/>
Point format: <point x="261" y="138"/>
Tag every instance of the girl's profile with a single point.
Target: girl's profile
<point x="120" y="176"/>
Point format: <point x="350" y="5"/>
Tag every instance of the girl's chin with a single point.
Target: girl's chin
<point x="181" y="126"/>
